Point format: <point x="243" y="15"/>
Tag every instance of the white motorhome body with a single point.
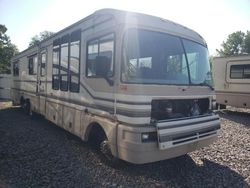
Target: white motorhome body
<point x="232" y="80"/>
<point x="138" y="80"/>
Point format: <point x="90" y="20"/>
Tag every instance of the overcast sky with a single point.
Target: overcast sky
<point x="212" y="19"/>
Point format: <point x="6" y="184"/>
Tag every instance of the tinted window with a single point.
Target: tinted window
<point x="32" y="65"/>
<point x="240" y="71"/>
<point x="151" y="57"/>
<point x="43" y="64"/>
<point x="75" y="61"/>
<point x="55" y="66"/>
<point x="197" y="56"/>
<point x="16" y="68"/>
<point x="64" y="63"/>
<point x="103" y="47"/>
<point x="160" y="58"/>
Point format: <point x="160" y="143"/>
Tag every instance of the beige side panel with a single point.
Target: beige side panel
<point x="219" y="74"/>
<point x="234" y="99"/>
<point x="77" y="124"/>
<point x="68" y="118"/>
<point x="15" y="96"/>
<point x="54" y="113"/>
<point x="42" y="105"/>
<point x="85" y="121"/>
<point x="34" y="103"/>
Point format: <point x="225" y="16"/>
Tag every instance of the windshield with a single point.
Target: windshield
<point x="153" y="57"/>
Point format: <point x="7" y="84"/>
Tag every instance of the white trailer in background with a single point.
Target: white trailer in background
<point x="136" y="85"/>
<point x="5" y="83"/>
<point x="232" y="81"/>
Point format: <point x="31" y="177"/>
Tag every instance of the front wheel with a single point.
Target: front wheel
<point x="106" y="151"/>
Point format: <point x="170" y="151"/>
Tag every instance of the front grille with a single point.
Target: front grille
<point x="182" y="138"/>
<point x="178" y="132"/>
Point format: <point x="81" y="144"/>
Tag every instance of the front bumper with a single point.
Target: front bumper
<point x="174" y="138"/>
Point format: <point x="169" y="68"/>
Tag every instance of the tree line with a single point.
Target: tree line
<point x="237" y="43"/>
<point x="8" y="49"/>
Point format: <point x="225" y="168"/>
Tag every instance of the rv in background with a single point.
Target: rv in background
<point x="5" y="82"/>
<point x="135" y="85"/>
<point x="232" y="81"/>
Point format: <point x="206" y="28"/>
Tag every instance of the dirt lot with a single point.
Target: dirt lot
<point x="35" y="153"/>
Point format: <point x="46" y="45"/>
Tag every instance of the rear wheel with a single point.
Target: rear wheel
<point x="27" y="108"/>
<point x="22" y="102"/>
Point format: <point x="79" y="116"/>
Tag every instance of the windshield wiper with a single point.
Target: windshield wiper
<point x="206" y="84"/>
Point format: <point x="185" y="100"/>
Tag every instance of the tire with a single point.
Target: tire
<point x="22" y="102"/>
<point x="27" y="108"/>
<point x="106" y="151"/>
<point x="99" y="141"/>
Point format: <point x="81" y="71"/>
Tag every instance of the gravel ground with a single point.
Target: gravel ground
<point x="36" y="153"/>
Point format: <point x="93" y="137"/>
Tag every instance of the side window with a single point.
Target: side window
<point x="236" y="71"/>
<point x="15" y="68"/>
<point x="43" y="64"/>
<point x="247" y="71"/>
<point x="74" y="68"/>
<point x="64" y="63"/>
<point x="102" y="48"/>
<point x="32" y="65"/>
<point x="240" y="71"/>
<point x="55" y="66"/>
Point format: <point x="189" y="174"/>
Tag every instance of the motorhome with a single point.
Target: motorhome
<point x="134" y="84"/>
<point x="232" y="81"/>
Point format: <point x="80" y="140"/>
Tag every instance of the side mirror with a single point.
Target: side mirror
<point x="103" y="64"/>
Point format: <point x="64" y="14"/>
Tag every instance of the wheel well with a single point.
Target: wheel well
<point x="23" y="100"/>
<point x="27" y="101"/>
<point x="96" y="134"/>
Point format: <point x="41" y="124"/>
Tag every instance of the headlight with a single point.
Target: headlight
<point x="214" y="105"/>
<point x="169" y="108"/>
<point x="149" y="137"/>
